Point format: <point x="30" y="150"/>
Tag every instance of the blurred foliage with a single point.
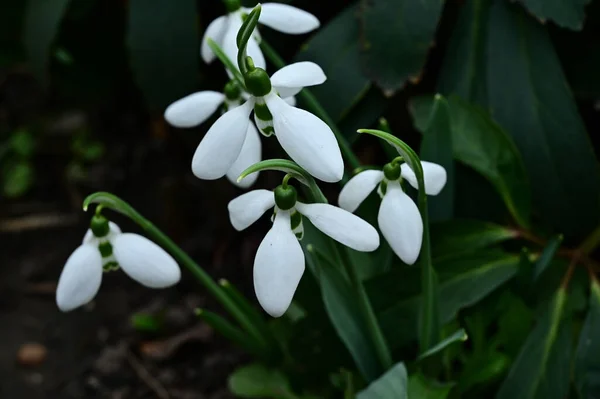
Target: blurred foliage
<point x="514" y="231"/>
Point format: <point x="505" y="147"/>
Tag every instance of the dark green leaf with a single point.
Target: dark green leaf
<point x="421" y="388"/>
<point x="437" y="147"/>
<point x="458" y="336"/>
<point x="514" y="323"/>
<point x="481" y="144"/>
<point x="392" y="385"/>
<point x="587" y="361"/>
<point x="457" y="237"/>
<point x="541" y="371"/>
<point x="335" y="48"/>
<point x="410" y="26"/>
<point x="146" y="322"/>
<point x="256" y="381"/>
<point x="483" y="369"/>
<point x="566" y="13"/>
<point x="42" y="23"/>
<point x="547" y="255"/>
<point x="163" y="41"/>
<point x="22" y="143"/>
<point x="18" y="177"/>
<point x="530" y="98"/>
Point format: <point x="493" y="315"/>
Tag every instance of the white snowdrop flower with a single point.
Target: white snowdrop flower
<point x="106" y="248"/>
<point x="279" y="261"/>
<point x="281" y="17"/>
<point x="308" y="140"/>
<point x="399" y="217"/>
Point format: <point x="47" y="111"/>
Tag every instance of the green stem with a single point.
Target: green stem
<point x="115" y="203"/>
<point x="591" y="242"/>
<point x="314" y="105"/>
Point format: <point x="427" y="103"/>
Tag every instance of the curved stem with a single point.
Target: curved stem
<point x="314" y="105"/>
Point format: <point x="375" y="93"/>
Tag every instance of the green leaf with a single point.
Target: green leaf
<point x="163" y="39"/>
<point x="18" y="177"/>
<point x="22" y="143"/>
<point x="566" y="13"/>
<point x="335" y="48"/>
<point x="483" y="369"/>
<point x="587" y="361"/>
<point x="530" y="99"/>
<point x="256" y="381"/>
<point x="458" y="336"/>
<point x="456" y="237"/>
<point x="146" y="322"/>
<point x="481" y="144"/>
<point x="392" y="385"/>
<point x="410" y="26"/>
<point x="437" y="147"/>
<point x="541" y="371"/>
<point x="514" y="323"/>
<point x="229" y="331"/>
<point x="547" y="255"/>
<point x="421" y="388"/>
<point x="42" y="23"/>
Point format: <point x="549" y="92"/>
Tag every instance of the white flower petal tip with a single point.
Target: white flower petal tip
<point x="287" y="19"/>
<point x="194" y="109"/>
<point x="401" y="224"/>
<point x="250" y="154"/>
<point x="278" y="267"/>
<point x="358" y="188"/>
<point x="308" y="140"/>
<point x="80" y="279"/>
<point x="113" y="229"/>
<point x="215" y="31"/>
<point x="248" y="208"/>
<point x="298" y="75"/>
<point x="222" y="144"/>
<point x="341" y="225"/>
<point x="434" y="176"/>
<point x="144" y="261"/>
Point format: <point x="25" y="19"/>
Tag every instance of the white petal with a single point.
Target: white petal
<point x="307" y="139"/>
<point x="89" y="237"/>
<point x="216" y="31"/>
<point x="287" y="19"/>
<point x="80" y="279"/>
<point x="251" y="153"/>
<point x="341" y="225"/>
<point x="290" y="100"/>
<point x="357" y="189"/>
<point x="298" y="75"/>
<point x="400" y="223"/>
<point x="230" y="47"/>
<point x="278" y="267"/>
<point x="144" y="261"/>
<point x="248" y="208"/>
<point x="194" y="109"/>
<point x="434" y="176"/>
<point x="222" y="144"/>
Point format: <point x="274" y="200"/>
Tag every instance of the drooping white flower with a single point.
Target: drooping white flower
<point x="399" y="218"/>
<point x="140" y="258"/>
<point x="307" y="139"/>
<point x="281" y="17"/>
<point x="279" y="261"/>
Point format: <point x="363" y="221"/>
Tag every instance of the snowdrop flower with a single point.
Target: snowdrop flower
<point x="281" y="17"/>
<point x="307" y="139"/>
<point x="279" y="261"/>
<point x="105" y="248"/>
<point x="196" y="108"/>
<point x="399" y="218"/>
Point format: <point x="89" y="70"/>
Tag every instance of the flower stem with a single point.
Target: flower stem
<point x="315" y="106"/>
<point x="591" y="242"/>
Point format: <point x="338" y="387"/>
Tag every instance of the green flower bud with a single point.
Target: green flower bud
<point x="232" y="5"/>
<point x="285" y="197"/>
<point x="232" y="90"/>
<point x="257" y="81"/>
<point x="392" y="171"/>
<point x="99" y="226"/>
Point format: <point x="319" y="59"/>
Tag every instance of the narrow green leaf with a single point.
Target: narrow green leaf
<point x="421" y="388"/>
<point x="458" y="336"/>
<point x="256" y="381"/>
<point x="163" y="40"/>
<point x="566" y="13"/>
<point x="459" y="236"/>
<point x="481" y="144"/>
<point x="547" y="255"/>
<point x="410" y="26"/>
<point x="229" y="331"/>
<point x="587" y="361"/>
<point x="392" y="385"/>
<point x="22" y="143"/>
<point x="531" y="100"/>
<point x="146" y="322"/>
<point x="42" y="23"/>
<point x="541" y="371"/>
<point x="18" y="177"/>
<point x="437" y="147"/>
